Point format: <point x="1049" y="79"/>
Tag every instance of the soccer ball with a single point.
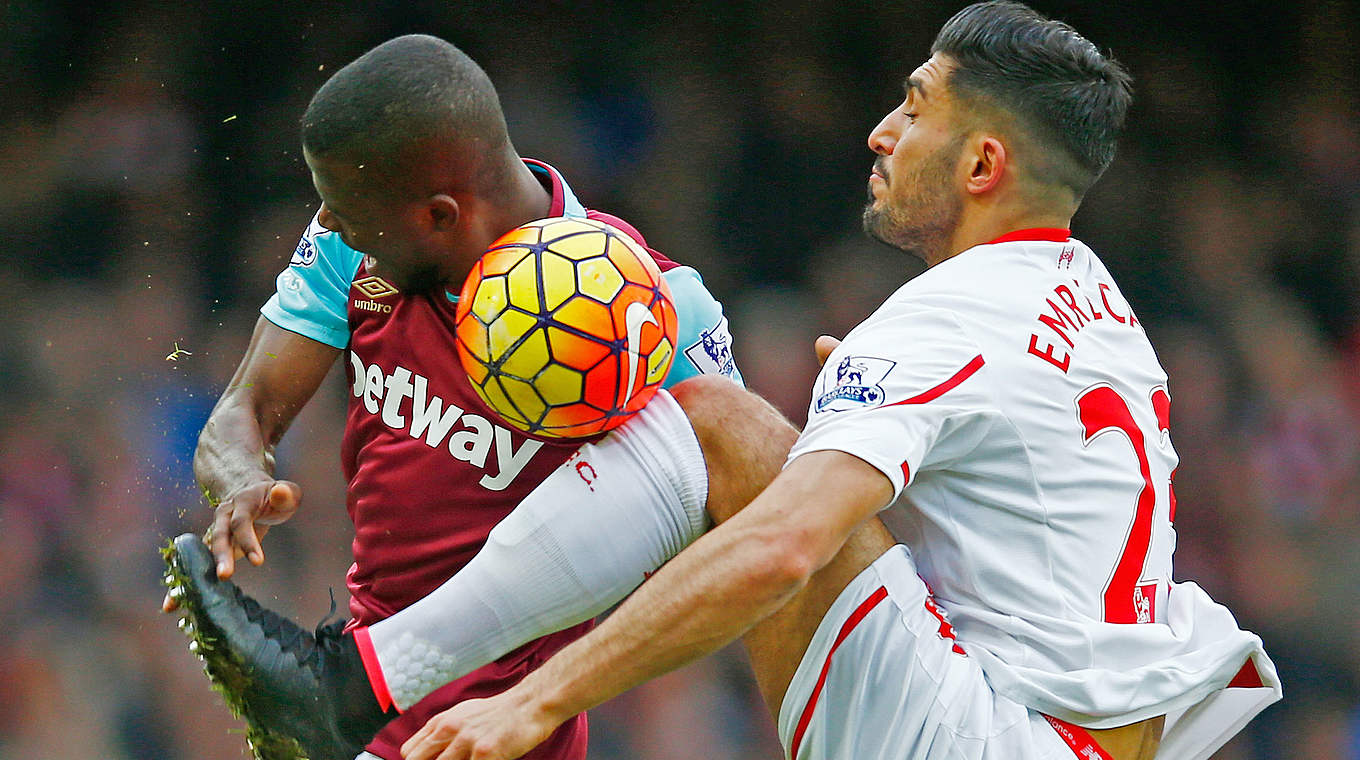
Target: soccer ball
<point x="565" y="327"/>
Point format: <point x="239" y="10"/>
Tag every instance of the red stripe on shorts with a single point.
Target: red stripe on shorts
<point x="1076" y="737"/>
<point x="855" y="617"/>
<point x="1247" y="678"/>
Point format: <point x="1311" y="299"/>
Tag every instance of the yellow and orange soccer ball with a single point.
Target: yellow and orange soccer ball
<point x="565" y="327"/>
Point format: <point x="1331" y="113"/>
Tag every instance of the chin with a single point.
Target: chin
<point x="878" y="225"/>
<point x="871" y="220"/>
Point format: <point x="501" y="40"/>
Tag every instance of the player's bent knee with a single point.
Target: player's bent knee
<point x="714" y="404"/>
<point x="744" y="440"/>
<point x="702" y="395"/>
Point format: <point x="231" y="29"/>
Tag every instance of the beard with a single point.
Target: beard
<point x="923" y="218"/>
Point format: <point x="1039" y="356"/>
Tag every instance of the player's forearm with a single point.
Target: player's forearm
<point x="278" y="374"/>
<point x="234" y="448"/>
<point x="718" y="588"/>
<point x="705" y="598"/>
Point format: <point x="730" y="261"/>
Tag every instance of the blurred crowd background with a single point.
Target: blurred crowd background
<point x="151" y="186"/>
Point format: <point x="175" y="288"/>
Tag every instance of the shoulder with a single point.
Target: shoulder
<point x="912" y="346"/>
<point x="914" y="313"/>
<point x="322" y="248"/>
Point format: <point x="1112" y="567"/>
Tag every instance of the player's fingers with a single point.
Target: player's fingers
<point x="261" y="530"/>
<point x="283" y="500"/>
<point x="219" y="540"/>
<point x="485" y="749"/>
<point x="418" y="747"/>
<point x="453" y="751"/>
<point x="465" y="748"/>
<point x="824" y="345"/>
<point x="244" y="537"/>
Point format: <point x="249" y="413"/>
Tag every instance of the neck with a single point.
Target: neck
<point x="979" y="228"/>
<point x="531" y="200"/>
<point x="522" y="199"/>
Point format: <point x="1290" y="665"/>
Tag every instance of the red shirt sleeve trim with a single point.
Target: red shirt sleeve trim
<point x="559" y="198"/>
<point x="855" y="617"/>
<point x="1050" y="234"/>
<point x="968" y="370"/>
<point x="376" y="681"/>
<point x="662" y="261"/>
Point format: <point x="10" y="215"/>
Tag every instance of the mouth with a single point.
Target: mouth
<point x="876" y="180"/>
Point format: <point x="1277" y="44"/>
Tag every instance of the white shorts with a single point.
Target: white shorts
<point x="883" y="678"/>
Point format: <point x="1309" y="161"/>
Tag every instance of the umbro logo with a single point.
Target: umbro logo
<point x="375" y="287"/>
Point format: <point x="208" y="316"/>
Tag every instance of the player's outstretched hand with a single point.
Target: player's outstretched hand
<point x="824" y="345"/>
<point x="241" y="520"/>
<point x="244" y="516"/>
<point x="502" y="727"/>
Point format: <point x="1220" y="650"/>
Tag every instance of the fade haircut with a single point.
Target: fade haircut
<point x="1056" y="86"/>
<point x="402" y="96"/>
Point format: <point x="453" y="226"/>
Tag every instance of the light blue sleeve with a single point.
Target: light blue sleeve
<point x="312" y="294"/>
<point x="705" y="343"/>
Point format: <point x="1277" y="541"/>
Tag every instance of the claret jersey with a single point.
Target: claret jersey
<point x="1013" y="400"/>
<point x="430" y="469"/>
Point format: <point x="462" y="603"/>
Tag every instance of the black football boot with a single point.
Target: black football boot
<point x="303" y="694"/>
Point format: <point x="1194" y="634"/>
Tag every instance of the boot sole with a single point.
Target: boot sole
<point x="185" y="557"/>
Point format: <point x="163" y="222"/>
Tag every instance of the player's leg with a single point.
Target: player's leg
<point x="588" y="535"/>
<point x="883" y="677"/>
<point x="575" y="546"/>
<point x="744" y="440"/>
<point x="777" y="644"/>
<point x="745" y="443"/>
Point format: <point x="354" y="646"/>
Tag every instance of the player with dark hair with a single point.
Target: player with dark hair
<point x="1009" y="401"/>
<point x="409" y="152"/>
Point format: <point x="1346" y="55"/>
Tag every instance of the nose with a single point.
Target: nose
<point x="327" y="219"/>
<point x="883" y="138"/>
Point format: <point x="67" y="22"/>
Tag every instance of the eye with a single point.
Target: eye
<point x="911" y="115"/>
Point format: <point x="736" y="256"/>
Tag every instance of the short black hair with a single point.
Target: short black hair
<point x="405" y="93"/>
<point x="1056" y="84"/>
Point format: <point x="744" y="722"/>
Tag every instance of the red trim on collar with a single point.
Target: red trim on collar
<point x="559" y="198"/>
<point x="1050" y="234"/>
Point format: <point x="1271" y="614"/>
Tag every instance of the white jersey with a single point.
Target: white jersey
<point x="1014" y="401"/>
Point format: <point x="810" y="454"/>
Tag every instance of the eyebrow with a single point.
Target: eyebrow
<point x="912" y="83"/>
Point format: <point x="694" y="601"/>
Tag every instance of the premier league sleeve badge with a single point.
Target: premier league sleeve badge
<point x="853" y="383"/>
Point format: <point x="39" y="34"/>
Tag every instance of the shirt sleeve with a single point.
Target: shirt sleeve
<point x="312" y="293"/>
<point x="904" y="394"/>
<point x="704" y="341"/>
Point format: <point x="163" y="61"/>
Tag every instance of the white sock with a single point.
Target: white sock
<point x="573" y="548"/>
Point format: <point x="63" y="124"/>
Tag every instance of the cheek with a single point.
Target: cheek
<point x="907" y="154"/>
<point x="903" y="170"/>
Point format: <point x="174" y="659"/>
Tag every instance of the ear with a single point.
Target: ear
<point x="988" y="167"/>
<point x="442" y="212"/>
